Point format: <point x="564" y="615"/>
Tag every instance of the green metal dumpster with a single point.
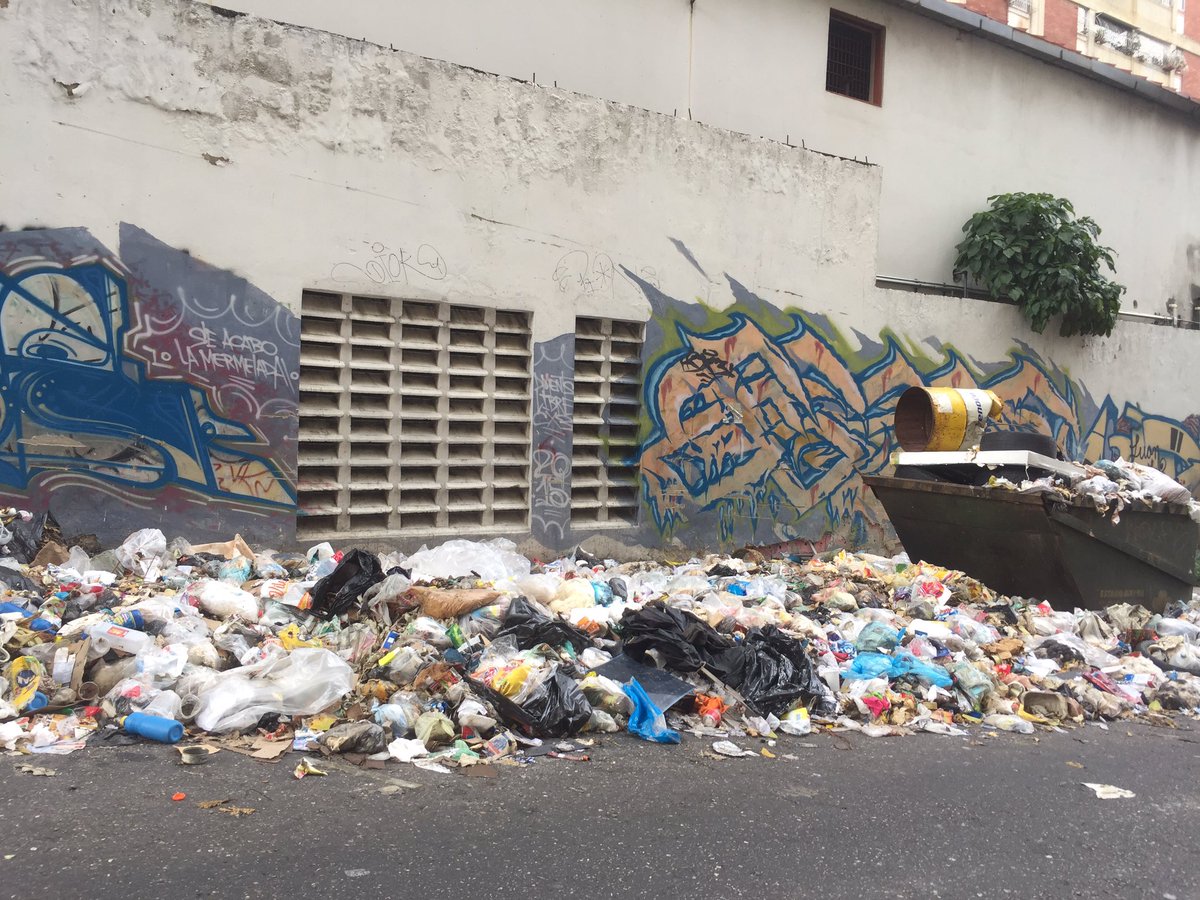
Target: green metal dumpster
<point x="1045" y="547"/>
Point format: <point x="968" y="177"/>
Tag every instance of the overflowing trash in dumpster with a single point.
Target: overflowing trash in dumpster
<point x="1110" y="486"/>
<point x="471" y="654"/>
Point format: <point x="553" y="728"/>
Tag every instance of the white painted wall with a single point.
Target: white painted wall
<point x="962" y="118"/>
<point x="334" y="145"/>
<point x="631" y="51"/>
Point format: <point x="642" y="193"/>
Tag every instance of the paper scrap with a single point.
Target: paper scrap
<point x="270" y="750"/>
<point x="1109" y="791"/>
<point x="236" y="811"/>
<point x="36" y="770"/>
<point x="729" y="748"/>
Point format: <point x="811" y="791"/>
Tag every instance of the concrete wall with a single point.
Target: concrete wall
<point x="198" y="172"/>
<point x="962" y="117"/>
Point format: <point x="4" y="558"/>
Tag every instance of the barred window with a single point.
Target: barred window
<point x="854" y="67"/>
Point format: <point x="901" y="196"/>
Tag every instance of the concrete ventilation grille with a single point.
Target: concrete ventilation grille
<point x="604" y="469"/>
<point x="414" y="417"/>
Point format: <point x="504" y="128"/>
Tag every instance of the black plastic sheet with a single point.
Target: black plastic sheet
<point x="769" y="669"/>
<point x="682" y="642"/>
<point x="340" y="589"/>
<point x="530" y="627"/>
<point x="18" y="582"/>
<point x="26" y="537"/>
<point x="556" y="709"/>
<point x="776" y="672"/>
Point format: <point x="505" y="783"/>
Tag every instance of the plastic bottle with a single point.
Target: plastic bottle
<point x="113" y="637"/>
<point x="132" y="618"/>
<point x="156" y="728"/>
<point x="710" y="709"/>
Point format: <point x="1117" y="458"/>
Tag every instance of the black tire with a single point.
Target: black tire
<point x="1020" y="440"/>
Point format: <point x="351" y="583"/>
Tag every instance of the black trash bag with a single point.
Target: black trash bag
<point x="775" y="672"/>
<point x="1062" y="653"/>
<point x="683" y="642"/>
<point x="720" y="570"/>
<point x="1004" y="611"/>
<point x="355" y="737"/>
<point x="556" y="709"/>
<point x="22" y="584"/>
<point x="581" y="555"/>
<point x="341" y="588"/>
<point x="530" y="627"/>
<point x="197" y="560"/>
<point x="26" y="537"/>
<point x="769" y="669"/>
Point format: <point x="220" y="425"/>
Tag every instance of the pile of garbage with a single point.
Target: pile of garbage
<point x="1110" y="486"/>
<point x="470" y="653"/>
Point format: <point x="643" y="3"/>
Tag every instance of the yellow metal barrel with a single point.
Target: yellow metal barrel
<point x="938" y="418"/>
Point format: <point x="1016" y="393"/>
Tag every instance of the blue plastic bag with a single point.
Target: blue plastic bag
<point x="907" y="664"/>
<point x="868" y="665"/>
<point x="647" y="720"/>
<point x="876" y="665"/>
<point x="876" y="636"/>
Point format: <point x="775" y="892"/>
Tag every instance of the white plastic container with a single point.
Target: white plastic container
<point x="107" y="637"/>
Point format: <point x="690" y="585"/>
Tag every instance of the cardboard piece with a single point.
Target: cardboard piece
<point x="270" y="750"/>
<point x="52" y="553"/>
<point x="77" y="654"/>
<point x="228" y="549"/>
<point x="442" y="603"/>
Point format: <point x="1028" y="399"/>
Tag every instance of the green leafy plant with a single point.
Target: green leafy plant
<point x="1033" y="250"/>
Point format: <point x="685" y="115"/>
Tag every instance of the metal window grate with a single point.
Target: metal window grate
<point x="604" y="465"/>
<point x="414" y="415"/>
<point x="850" y="67"/>
<point x="1022" y="7"/>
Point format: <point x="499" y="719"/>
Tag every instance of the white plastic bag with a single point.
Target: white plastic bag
<point x="162" y="665"/>
<point x="1160" y="484"/>
<point x="473" y="714"/>
<point x="406" y="750"/>
<point x="431" y="631"/>
<point x="167" y="704"/>
<point x="539" y="588"/>
<point x="303" y="683"/>
<point x="142" y="550"/>
<point x="796" y="722"/>
<point x="78" y="560"/>
<point x="496" y="560"/>
<point x="204" y="654"/>
<point x="224" y="600"/>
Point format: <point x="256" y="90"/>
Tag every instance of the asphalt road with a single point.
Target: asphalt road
<point x="852" y="817"/>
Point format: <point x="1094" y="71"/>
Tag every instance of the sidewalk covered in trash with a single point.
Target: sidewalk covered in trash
<point x="470" y="654"/>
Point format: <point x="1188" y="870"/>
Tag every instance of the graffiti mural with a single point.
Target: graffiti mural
<point x="553" y="395"/>
<point x="148" y="379"/>
<point x="759" y="421"/>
